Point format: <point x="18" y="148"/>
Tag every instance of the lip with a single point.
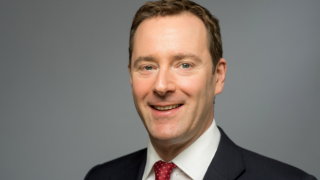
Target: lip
<point x="168" y="113"/>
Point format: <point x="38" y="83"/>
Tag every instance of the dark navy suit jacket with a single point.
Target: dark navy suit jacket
<point x="229" y="163"/>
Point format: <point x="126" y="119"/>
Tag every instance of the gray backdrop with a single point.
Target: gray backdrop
<point x="65" y="95"/>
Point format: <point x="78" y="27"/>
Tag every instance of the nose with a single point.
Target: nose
<point x="164" y="83"/>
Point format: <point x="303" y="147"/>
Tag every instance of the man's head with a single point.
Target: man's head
<point x="176" y="7"/>
<point x="171" y="76"/>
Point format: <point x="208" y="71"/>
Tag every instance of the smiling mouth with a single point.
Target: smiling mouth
<point x="166" y="108"/>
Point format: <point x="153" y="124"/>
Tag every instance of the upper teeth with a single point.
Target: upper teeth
<point x="163" y="108"/>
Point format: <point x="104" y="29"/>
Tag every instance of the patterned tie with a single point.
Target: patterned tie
<point x="163" y="170"/>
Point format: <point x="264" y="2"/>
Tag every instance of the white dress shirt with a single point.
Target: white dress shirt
<point x="193" y="162"/>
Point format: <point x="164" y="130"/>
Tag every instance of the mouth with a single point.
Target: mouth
<point x="166" y="108"/>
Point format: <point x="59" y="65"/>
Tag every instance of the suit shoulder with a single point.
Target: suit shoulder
<point x="116" y="166"/>
<point x="262" y="166"/>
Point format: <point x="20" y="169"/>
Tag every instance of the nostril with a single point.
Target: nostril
<point x="163" y="90"/>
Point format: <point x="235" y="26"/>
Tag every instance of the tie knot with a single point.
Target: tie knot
<point x="163" y="170"/>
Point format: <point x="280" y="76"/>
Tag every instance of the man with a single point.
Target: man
<point x="176" y="69"/>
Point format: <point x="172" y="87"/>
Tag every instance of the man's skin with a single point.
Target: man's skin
<point x="171" y="66"/>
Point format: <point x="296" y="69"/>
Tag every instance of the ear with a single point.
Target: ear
<point x="129" y="70"/>
<point x="220" y="75"/>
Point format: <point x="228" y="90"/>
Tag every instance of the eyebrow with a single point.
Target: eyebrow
<point x="181" y="56"/>
<point x="143" y="58"/>
<point x="174" y="57"/>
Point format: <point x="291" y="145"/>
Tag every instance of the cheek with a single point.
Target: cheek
<point x="141" y="88"/>
<point x="193" y="86"/>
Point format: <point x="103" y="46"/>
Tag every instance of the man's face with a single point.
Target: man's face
<point x="171" y="76"/>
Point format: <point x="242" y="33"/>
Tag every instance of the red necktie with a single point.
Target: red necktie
<point x="163" y="170"/>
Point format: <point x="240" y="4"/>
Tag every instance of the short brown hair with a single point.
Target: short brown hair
<point x="174" y="7"/>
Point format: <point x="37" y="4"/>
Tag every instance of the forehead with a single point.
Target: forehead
<point x="183" y="33"/>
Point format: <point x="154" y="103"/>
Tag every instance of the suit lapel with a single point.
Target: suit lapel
<point x="135" y="168"/>
<point x="141" y="166"/>
<point x="227" y="163"/>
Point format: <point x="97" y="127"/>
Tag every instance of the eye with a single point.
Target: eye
<point x="185" y="65"/>
<point x="148" y="68"/>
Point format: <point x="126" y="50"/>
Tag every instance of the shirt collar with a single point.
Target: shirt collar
<point x="195" y="159"/>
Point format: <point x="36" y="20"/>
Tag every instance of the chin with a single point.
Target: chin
<point x="165" y="134"/>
